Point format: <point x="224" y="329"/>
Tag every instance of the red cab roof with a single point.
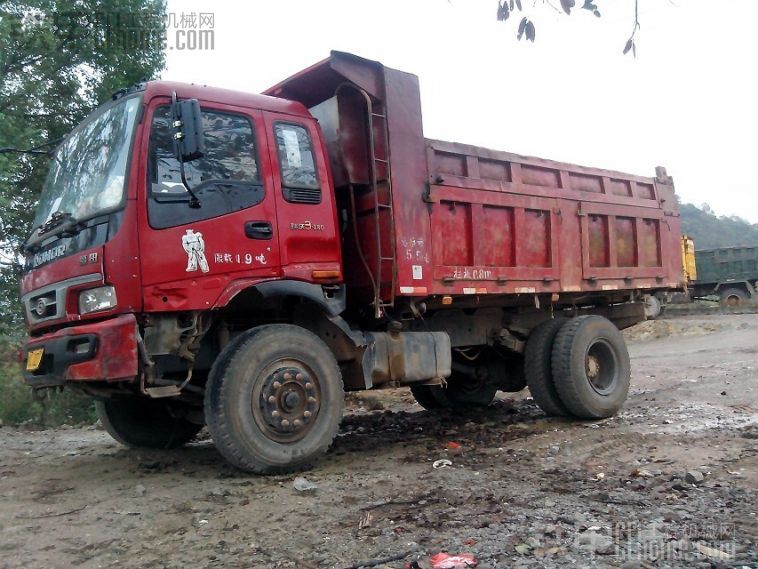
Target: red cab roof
<point x="224" y="96"/>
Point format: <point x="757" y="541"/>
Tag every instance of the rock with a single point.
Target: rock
<point x="302" y="484"/>
<point x="712" y="552"/>
<point x="694" y="477"/>
<point x="522" y="549"/>
<point x="595" y="543"/>
<point x="641" y="473"/>
<point x="139" y="490"/>
<point x="670" y="515"/>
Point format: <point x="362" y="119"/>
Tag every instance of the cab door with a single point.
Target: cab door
<point x="305" y="202"/>
<point x="189" y="256"/>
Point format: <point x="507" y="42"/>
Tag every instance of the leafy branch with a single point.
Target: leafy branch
<point x="631" y="44"/>
<point x="526" y="28"/>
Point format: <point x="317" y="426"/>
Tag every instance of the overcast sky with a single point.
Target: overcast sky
<point x="687" y="102"/>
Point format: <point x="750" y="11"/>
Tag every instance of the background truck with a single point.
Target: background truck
<point x="730" y="273"/>
<point x="210" y="257"/>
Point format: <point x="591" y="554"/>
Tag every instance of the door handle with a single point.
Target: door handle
<point x="258" y="230"/>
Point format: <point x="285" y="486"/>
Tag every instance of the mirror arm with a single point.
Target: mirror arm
<point x="194" y="202"/>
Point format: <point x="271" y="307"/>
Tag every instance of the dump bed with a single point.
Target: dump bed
<point x="726" y="264"/>
<point x="428" y="217"/>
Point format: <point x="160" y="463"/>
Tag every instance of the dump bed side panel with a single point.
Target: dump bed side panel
<point x="503" y="223"/>
<point x="727" y="263"/>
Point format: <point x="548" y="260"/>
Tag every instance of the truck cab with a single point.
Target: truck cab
<point x="115" y="236"/>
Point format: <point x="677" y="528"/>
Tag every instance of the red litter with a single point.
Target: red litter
<point x="460" y="561"/>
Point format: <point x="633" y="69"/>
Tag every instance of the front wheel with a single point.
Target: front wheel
<point x="274" y="399"/>
<point x="145" y="423"/>
<point x="733" y="297"/>
<point x="591" y="369"/>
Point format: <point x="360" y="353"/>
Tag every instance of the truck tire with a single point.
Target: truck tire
<point x="653" y="307"/>
<point x="274" y="399"/>
<point x="591" y="368"/>
<point x="733" y="297"/>
<point x="144" y="423"/>
<point x="464" y="392"/>
<point x="430" y="397"/>
<point x="538" y="368"/>
<point x="461" y="392"/>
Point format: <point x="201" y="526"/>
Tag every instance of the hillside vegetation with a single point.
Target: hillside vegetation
<point x="711" y="231"/>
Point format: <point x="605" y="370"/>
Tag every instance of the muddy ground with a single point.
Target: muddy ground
<point x="522" y="490"/>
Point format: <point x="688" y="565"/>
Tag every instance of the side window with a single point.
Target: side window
<point x="297" y="164"/>
<point x="226" y="179"/>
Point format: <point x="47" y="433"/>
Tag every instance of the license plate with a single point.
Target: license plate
<point x="34" y="359"/>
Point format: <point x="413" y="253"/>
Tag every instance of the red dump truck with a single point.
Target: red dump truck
<point x="210" y="257"/>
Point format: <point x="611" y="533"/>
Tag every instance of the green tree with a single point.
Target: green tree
<point x="58" y="60"/>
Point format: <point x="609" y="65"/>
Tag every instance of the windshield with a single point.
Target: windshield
<point x="89" y="168"/>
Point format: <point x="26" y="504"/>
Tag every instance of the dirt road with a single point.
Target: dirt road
<point x="522" y="491"/>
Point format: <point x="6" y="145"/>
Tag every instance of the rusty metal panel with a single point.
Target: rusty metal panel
<point x="550" y="227"/>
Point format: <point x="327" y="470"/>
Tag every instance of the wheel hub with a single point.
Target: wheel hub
<point x="601" y="367"/>
<point x="593" y="367"/>
<point x="289" y="402"/>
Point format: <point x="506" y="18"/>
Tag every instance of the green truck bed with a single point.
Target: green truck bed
<point x="727" y="264"/>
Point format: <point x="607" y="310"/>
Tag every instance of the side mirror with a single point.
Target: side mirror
<point x="187" y="121"/>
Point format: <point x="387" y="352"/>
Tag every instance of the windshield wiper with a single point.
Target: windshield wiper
<point x="56" y="220"/>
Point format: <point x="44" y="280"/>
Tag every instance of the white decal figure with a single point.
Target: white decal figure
<point x="194" y="245"/>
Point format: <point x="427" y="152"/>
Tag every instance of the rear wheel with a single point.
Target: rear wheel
<point x="464" y="391"/>
<point x="538" y="369"/>
<point x="591" y="369"/>
<point x="145" y="423"/>
<point x="733" y="297"/>
<point x="461" y="392"/>
<point x="274" y="399"/>
<point x="430" y="397"/>
<point x="653" y="307"/>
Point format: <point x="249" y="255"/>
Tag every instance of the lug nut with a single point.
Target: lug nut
<point x="297" y="423"/>
<point x="306" y="414"/>
<point x="271" y="399"/>
<point x="285" y="423"/>
<point x="311" y="400"/>
<point x="309" y="385"/>
<point x="277" y="385"/>
<point x="274" y="413"/>
<point x="287" y="376"/>
<point x="299" y="377"/>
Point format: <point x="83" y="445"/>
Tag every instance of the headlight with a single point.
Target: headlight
<point x="97" y="299"/>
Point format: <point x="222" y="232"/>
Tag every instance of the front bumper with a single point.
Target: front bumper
<point x="102" y="351"/>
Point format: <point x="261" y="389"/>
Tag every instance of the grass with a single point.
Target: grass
<point x="19" y="407"/>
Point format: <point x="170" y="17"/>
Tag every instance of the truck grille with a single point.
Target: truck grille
<point x="43" y="305"/>
<point x="302" y="195"/>
<point x="49" y="302"/>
